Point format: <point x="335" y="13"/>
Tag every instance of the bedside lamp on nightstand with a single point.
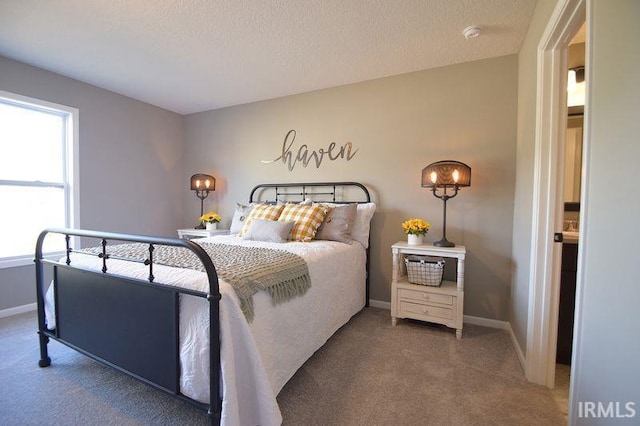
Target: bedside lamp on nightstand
<point x="202" y="184"/>
<point x="443" y="175"/>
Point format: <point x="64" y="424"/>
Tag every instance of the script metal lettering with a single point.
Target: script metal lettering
<point x="306" y="156"/>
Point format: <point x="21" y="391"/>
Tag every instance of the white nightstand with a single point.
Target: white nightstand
<point x="442" y="305"/>
<point x="190" y="233"/>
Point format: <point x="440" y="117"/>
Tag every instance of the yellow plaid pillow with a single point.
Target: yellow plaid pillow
<point x="307" y="220"/>
<point x="261" y="211"/>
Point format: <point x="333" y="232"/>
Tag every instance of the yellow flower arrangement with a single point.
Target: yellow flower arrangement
<point x="415" y="226"/>
<point x="211" y="217"/>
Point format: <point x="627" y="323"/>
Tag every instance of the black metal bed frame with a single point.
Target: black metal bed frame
<point x="306" y="190"/>
<point x="131" y="324"/>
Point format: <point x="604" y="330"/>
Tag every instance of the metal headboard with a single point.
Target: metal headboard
<point x="316" y="191"/>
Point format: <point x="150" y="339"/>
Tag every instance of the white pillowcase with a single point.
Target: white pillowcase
<point x="239" y="216"/>
<point x="271" y="231"/>
<point x="362" y="224"/>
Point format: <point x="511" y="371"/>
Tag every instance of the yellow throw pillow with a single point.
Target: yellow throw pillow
<point x="307" y="220"/>
<point x="261" y="211"/>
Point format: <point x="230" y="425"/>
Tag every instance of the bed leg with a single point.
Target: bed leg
<point x="45" y="361"/>
<point x="214" y="418"/>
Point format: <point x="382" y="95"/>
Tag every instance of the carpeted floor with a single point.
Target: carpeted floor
<point x="368" y="373"/>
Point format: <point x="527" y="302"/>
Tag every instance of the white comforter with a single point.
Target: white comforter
<point x="257" y="358"/>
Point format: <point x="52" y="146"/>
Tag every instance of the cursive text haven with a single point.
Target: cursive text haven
<point x="305" y="156"/>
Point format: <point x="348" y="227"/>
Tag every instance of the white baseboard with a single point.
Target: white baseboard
<point x="516" y="346"/>
<point x="380" y="304"/>
<point x="502" y="325"/>
<point x="486" y="322"/>
<point x="18" y="310"/>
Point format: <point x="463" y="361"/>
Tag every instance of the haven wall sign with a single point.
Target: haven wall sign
<point x="306" y="156"/>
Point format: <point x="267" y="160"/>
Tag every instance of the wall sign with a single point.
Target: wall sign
<point x="305" y="156"/>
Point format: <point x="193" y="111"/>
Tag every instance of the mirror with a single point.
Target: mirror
<point x="575" y="102"/>
<point x="573" y="157"/>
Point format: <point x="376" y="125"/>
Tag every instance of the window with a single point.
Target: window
<point x="38" y="164"/>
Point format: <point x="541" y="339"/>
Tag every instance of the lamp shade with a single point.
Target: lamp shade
<point x="446" y="173"/>
<point x="203" y="182"/>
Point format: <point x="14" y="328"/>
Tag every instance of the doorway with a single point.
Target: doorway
<point x="548" y="199"/>
<point x="571" y="217"/>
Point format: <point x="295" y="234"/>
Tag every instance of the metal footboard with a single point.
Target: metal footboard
<point x="126" y="323"/>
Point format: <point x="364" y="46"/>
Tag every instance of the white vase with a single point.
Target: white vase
<point x="414" y="240"/>
<point x="211" y="226"/>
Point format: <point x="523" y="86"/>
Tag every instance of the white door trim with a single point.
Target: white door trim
<point x="551" y="114"/>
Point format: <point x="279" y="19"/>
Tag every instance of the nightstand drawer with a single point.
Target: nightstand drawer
<point x="424" y="296"/>
<point x="426" y="310"/>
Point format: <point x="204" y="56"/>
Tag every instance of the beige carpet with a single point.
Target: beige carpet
<point x="371" y="373"/>
<point x="368" y="373"/>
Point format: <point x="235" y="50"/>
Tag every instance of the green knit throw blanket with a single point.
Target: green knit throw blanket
<point x="247" y="269"/>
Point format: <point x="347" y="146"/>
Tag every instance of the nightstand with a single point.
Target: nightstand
<point x="441" y="305"/>
<point x="190" y="233"/>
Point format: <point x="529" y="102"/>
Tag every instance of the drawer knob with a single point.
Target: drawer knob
<point x="425" y="296"/>
<point x="424" y="311"/>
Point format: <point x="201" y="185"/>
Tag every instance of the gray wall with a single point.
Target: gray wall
<point x="607" y="344"/>
<point x="400" y="124"/>
<point x="131" y="159"/>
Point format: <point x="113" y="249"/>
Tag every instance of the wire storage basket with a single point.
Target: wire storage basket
<point x="424" y="270"/>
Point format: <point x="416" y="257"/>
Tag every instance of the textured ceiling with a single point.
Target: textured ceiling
<point x="196" y="55"/>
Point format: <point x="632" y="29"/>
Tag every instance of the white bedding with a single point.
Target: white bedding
<point x="257" y="358"/>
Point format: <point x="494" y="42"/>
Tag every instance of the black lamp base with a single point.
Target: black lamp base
<point x="444" y="243"/>
<point x="200" y="226"/>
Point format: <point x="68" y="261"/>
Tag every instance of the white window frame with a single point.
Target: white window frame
<point x="70" y="174"/>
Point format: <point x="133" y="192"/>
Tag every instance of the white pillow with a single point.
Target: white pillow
<point x="239" y="216"/>
<point x="362" y="224"/>
<point x="271" y="231"/>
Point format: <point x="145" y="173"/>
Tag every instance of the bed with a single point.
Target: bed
<point x="167" y="325"/>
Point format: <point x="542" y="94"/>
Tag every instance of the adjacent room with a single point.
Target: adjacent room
<point x="320" y="213"/>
